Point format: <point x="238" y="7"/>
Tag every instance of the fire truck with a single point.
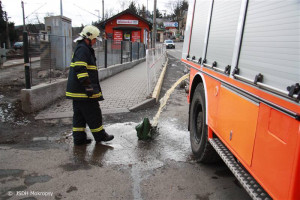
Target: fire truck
<point x="244" y="92"/>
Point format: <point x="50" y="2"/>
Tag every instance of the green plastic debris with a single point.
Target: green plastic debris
<point x="144" y="130"/>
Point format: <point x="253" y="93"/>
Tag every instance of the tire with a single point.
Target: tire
<point x="201" y="148"/>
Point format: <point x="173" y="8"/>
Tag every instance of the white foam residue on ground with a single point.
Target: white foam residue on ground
<point x="176" y="141"/>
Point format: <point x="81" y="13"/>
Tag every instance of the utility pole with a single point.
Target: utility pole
<point x="25" y="49"/>
<point x="154" y="26"/>
<point x="61" y="8"/>
<point x="7" y="31"/>
<point x="26" y="60"/>
<point x="24" y="26"/>
<point x="102" y="10"/>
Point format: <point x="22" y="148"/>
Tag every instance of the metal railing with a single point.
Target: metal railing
<point x="50" y="55"/>
<point x="155" y="59"/>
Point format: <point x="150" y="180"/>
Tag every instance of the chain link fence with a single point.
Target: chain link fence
<point x="52" y="55"/>
<point x="155" y="59"/>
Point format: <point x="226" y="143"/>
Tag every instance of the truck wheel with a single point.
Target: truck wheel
<point x="201" y="147"/>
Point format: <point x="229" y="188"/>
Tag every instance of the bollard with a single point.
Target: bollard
<point x="138" y="53"/>
<point x="130" y="51"/>
<point x="2" y="56"/>
<point x="122" y="43"/>
<point x="26" y="60"/>
<point x="105" y="53"/>
<point x="65" y="53"/>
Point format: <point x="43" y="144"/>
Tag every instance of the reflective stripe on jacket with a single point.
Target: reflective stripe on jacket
<point x="83" y="74"/>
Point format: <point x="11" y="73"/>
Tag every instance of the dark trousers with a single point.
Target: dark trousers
<point x="86" y="112"/>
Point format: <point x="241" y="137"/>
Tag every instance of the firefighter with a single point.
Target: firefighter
<point x="84" y="89"/>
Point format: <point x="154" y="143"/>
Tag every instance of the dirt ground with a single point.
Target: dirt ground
<point x="15" y="124"/>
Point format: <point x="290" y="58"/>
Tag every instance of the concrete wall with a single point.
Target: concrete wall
<point x="40" y="96"/>
<point x="112" y="70"/>
<point x="43" y="95"/>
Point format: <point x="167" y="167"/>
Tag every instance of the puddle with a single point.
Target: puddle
<point x="30" y="180"/>
<point x="172" y="143"/>
<point x="175" y="141"/>
<point x="75" y="166"/>
<point x="10" y="172"/>
<point x="46" y="139"/>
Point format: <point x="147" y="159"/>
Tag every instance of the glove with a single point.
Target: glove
<point x="89" y="91"/>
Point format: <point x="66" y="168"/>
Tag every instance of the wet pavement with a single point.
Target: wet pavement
<point x="50" y="167"/>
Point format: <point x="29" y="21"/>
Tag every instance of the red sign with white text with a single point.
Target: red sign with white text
<point x="136" y="36"/>
<point x="118" y="35"/>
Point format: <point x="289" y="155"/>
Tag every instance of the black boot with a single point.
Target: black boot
<point x="107" y="137"/>
<point x="103" y="136"/>
<point x="79" y="138"/>
<point x="81" y="142"/>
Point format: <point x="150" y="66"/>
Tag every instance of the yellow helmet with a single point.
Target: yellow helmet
<point x="90" y="32"/>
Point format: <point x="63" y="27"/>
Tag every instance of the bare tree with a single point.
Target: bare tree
<point x="124" y="4"/>
<point x="142" y="11"/>
<point x="37" y="19"/>
<point x="173" y="4"/>
<point x="108" y="13"/>
<point x="177" y="9"/>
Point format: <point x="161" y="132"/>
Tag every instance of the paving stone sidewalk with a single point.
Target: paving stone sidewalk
<point x="121" y="92"/>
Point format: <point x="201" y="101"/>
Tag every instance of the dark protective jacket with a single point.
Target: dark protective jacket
<point x="83" y="75"/>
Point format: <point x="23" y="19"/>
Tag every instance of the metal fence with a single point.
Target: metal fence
<point x="155" y="59"/>
<point x="52" y="55"/>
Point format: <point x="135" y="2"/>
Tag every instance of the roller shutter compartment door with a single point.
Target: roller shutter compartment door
<point x="223" y="30"/>
<point x="271" y="42"/>
<point x="201" y="16"/>
<point x="188" y="29"/>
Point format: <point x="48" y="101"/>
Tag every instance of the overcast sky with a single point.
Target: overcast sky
<point x="78" y="10"/>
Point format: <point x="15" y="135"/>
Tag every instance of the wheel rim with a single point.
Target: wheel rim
<point x="198" y="123"/>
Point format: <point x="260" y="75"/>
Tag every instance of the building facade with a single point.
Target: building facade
<point x="127" y="26"/>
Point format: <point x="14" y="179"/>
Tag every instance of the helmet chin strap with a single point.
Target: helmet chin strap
<point x="88" y="41"/>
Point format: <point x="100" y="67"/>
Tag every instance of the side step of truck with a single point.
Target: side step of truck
<point x="248" y="182"/>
